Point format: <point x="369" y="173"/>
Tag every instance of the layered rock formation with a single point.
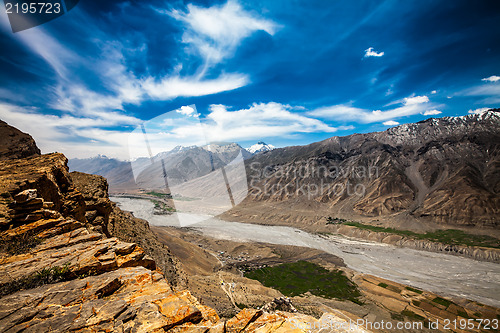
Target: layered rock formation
<point x="104" y="215"/>
<point x="69" y="261"/>
<point x="76" y="278"/>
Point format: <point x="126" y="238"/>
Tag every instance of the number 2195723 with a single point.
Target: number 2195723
<point x="33" y="8"/>
<point x="485" y="324"/>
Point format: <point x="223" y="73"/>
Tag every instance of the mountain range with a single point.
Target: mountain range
<point x="180" y="164"/>
<point x="441" y="170"/>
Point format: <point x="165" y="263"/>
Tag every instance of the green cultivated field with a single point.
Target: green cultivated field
<point x="293" y="279"/>
<point x="160" y="195"/>
<point x="450" y="236"/>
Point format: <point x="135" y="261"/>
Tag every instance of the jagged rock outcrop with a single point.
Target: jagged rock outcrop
<point x="105" y="215"/>
<point x="60" y="271"/>
<point x="282" y="303"/>
<point x="16" y="144"/>
<point x="47" y="175"/>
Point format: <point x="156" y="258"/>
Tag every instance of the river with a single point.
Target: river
<point x="437" y="272"/>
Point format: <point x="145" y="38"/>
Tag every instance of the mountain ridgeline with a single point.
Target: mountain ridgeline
<point x="181" y="164"/>
<point x="444" y="170"/>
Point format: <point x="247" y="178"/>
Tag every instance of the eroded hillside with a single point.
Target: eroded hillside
<point x="445" y="171"/>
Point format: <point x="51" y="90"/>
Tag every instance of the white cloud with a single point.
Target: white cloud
<point x="221" y="28"/>
<point x="88" y="136"/>
<point x="186" y="110"/>
<point x="216" y="31"/>
<point x="409" y="106"/>
<point x="493" y="78"/>
<point x="416" y="100"/>
<point x="390" y="123"/>
<point x="48" y="48"/>
<point x="478" y="111"/>
<point x="431" y="112"/>
<point x="434" y="92"/>
<point x="331" y="112"/>
<point x="370" y="52"/>
<point x="490" y="91"/>
<point x="259" y="120"/>
<point x="87" y="111"/>
<point x="172" y="87"/>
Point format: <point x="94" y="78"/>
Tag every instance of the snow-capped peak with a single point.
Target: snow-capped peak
<point x="178" y="149"/>
<point x="260" y="147"/>
<point x="175" y="150"/>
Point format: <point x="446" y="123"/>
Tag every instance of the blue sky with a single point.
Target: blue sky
<point x="286" y="72"/>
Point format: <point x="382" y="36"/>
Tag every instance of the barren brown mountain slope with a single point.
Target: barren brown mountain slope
<point x="443" y="171"/>
<point x="437" y="173"/>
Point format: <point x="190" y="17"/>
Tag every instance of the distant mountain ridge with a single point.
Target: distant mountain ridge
<point x="183" y="162"/>
<point x="118" y="173"/>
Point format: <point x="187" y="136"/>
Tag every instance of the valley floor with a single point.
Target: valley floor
<point x="215" y="268"/>
<point x="215" y="253"/>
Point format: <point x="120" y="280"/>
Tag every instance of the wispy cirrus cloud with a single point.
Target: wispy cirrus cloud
<point x="176" y="86"/>
<point x="408" y="106"/>
<point x="489" y="91"/>
<point x="76" y="136"/>
<point x="186" y="127"/>
<point x="44" y="45"/>
<point x="72" y="134"/>
<point x="94" y="91"/>
<point x="214" y="31"/>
